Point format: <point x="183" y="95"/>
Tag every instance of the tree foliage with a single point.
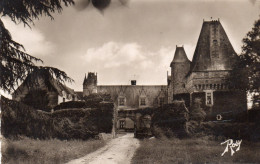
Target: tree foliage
<point x="26" y="11"/>
<point x="251" y="56"/>
<point x="246" y="73"/>
<point x="16" y="64"/>
<point x="197" y="113"/>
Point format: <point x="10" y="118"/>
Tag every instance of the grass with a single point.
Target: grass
<point x="51" y="151"/>
<point x="199" y="150"/>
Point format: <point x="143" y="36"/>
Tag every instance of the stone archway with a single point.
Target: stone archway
<point x="125" y="124"/>
<point x="126" y="120"/>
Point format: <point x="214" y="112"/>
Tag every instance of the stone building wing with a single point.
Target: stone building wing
<point x="133" y="95"/>
<point x="214" y="50"/>
<point x="55" y="91"/>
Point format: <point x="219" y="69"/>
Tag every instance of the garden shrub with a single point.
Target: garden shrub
<point x="70" y="104"/>
<point x="197" y="113"/>
<point x="76" y="123"/>
<point x="171" y="118"/>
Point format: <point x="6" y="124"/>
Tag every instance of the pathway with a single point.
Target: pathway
<point x="118" y="151"/>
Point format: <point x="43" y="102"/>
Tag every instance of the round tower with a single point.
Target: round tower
<point x="180" y="67"/>
<point x="90" y="84"/>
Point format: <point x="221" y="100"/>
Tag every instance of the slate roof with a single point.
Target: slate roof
<point x="180" y="56"/>
<point x="214" y="50"/>
<point x="54" y="84"/>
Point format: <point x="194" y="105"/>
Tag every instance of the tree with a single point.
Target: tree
<point x="251" y="56"/>
<point x="246" y="72"/>
<point x="16" y="64"/>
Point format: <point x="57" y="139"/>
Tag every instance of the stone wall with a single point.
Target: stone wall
<point x="233" y="102"/>
<point x="179" y="72"/>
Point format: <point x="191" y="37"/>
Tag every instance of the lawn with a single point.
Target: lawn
<point x="51" y="151"/>
<point x="199" y="150"/>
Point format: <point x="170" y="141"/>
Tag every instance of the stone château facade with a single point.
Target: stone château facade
<point x="203" y="78"/>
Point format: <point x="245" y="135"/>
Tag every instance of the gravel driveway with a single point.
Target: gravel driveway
<point x="117" y="151"/>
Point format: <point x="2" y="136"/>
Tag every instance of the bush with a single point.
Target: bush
<point x="197" y="113"/>
<point x="70" y="104"/>
<point x="19" y="119"/>
<point x="171" y="118"/>
<point x="247" y="131"/>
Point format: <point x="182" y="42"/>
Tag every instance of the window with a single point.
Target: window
<point x="121" y="101"/>
<point x="161" y="101"/>
<point x="122" y="124"/>
<point x="63" y="99"/>
<point x="209" y="98"/>
<point x="143" y="101"/>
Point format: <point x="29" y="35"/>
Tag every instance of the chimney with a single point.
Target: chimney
<point x="133" y="82"/>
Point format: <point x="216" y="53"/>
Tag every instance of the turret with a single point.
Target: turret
<point x="90" y="84"/>
<point x="180" y="67"/>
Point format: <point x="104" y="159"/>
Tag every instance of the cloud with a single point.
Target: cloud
<point x="33" y="40"/>
<point x="117" y="63"/>
<point x="113" y="54"/>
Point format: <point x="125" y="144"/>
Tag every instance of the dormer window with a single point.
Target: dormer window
<point x="121" y="101"/>
<point x="143" y="103"/>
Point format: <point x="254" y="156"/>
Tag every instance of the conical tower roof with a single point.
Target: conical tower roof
<point x="180" y="56"/>
<point x="85" y="79"/>
<point x="214" y="50"/>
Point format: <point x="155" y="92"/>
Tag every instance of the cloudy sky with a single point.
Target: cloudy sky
<point x="136" y="41"/>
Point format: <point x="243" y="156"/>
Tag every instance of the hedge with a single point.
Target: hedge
<point x="171" y="117"/>
<point x="76" y="123"/>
